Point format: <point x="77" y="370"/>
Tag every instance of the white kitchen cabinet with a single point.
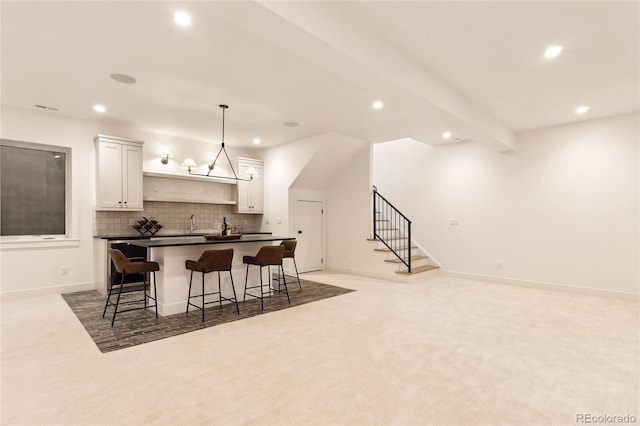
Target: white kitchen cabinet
<point x="249" y="194"/>
<point x="119" y="174"/>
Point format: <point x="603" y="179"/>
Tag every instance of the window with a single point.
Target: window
<point x="34" y="189"/>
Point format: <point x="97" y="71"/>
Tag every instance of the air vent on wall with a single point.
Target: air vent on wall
<point x="46" y="107"/>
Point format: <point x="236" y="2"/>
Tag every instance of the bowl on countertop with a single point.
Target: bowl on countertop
<point x="223" y="237"/>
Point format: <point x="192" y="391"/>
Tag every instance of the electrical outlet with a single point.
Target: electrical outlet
<point x="454" y="221"/>
<point x="132" y="222"/>
<point x="64" y="270"/>
<point x="499" y="265"/>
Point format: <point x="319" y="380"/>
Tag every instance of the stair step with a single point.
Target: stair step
<point x="396" y="260"/>
<point x="386" y="229"/>
<point x="386" y="250"/>
<point x="386" y="239"/>
<point x="418" y="269"/>
<point x="382" y="220"/>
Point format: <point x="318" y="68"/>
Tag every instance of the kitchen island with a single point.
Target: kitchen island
<point x="173" y="279"/>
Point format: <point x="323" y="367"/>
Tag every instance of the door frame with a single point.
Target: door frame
<point x="312" y="196"/>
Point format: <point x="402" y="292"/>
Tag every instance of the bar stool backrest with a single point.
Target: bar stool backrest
<point x="270" y="255"/>
<point x="289" y="248"/>
<point x="217" y="260"/>
<point x="120" y="261"/>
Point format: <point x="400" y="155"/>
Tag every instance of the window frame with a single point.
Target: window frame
<point x="10" y="241"/>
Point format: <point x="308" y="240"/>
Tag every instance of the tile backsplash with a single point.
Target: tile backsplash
<point x="174" y="218"/>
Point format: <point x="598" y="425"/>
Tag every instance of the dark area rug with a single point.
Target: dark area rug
<point x="138" y="327"/>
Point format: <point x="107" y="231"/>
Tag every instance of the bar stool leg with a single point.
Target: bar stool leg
<point x="189" y="296"/>
<point x="203" y="305"/>
<point x="246" y="276"/>
<point x="155" y="294"/>
<point x="113" y="281"/>
<point x="261" y="290"/>
<point x="219" y="291"/>
<point x="284" y="280"/>
<point x="297" y="274"/>
<point x="146" y="277"/>
<point x="118" y="301"/>
<point x="233" y="287"/>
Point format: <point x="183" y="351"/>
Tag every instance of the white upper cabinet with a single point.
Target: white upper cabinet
<point x="249" y="194"/>
<point x="119" y="173"/>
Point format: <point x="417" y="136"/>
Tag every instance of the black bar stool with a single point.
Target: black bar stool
<point x="212" y="261"/>
<point x="126" y="266"/>
<point x="290" y="253"/>
<point x="267" y="256"/>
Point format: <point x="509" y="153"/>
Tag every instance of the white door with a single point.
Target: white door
<point x="309" y="235"/>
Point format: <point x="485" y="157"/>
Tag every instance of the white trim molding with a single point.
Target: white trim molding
<point x="545" y="285"/>
<point x="56" y="289"/>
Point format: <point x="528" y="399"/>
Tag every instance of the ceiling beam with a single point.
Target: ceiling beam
<point x="377" y="63"/>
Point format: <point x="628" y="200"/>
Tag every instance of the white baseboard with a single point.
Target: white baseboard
<point x="545" y="285"/>
<point x="365" y="273"/>
<point x="42" y="291"/>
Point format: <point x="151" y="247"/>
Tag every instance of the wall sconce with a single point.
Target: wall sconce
<point x="189" y="164"/>
<point x="165" y="157"/>
<point x="251" y="172"/>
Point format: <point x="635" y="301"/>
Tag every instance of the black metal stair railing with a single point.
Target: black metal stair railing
<point x="392" y="228"/>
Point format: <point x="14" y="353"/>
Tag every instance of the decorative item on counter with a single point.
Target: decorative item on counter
<point x="228" y="232"/>
<point x="225" y="226"/>
<point x="149" y="225"/>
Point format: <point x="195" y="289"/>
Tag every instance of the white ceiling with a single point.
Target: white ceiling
<point x="475" y="68"/>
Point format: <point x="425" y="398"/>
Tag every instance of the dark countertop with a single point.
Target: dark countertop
<point x="158" y="235"/>
<point x="196" y="241"/>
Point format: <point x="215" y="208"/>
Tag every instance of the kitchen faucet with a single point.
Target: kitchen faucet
<point x="192" y="223"/>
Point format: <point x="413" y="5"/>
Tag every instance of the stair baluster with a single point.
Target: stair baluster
<point x="397" y="234"/>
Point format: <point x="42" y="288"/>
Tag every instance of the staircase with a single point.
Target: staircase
<point x="392" y="235"/>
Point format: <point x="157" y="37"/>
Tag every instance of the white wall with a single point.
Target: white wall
<point x="17" y="275"/>
<point x="282" y="165"/>
<point x="311" y="169"/>
<point x="561" y="209"/>
<point x="349" y="218"/>
<point x="308" y="164"/>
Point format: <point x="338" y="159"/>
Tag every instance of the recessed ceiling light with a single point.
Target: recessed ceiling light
<point x="582" y="109"/>
<point x="552" y="52"/>
<point x="123" y="78"/>
<point x="182" y="18"/>
<point x="99" y="108"/>
<point x="290" y="124"/>
<point x="446" y="135"/>
<point x="256" y="141"/>
<point x="378" y="104"/>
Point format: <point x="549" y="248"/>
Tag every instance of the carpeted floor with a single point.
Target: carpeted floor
<point x="139" y="327"/>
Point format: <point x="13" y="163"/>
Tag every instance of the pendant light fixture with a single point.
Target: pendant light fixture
<point x="191" y="165"/>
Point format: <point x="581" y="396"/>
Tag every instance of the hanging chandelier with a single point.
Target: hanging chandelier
<point x="192" y="167"/>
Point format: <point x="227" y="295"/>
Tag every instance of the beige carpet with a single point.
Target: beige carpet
<point x="444" y="351"/>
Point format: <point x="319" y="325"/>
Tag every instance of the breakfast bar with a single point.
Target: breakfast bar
<point x="173" y="279"/>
